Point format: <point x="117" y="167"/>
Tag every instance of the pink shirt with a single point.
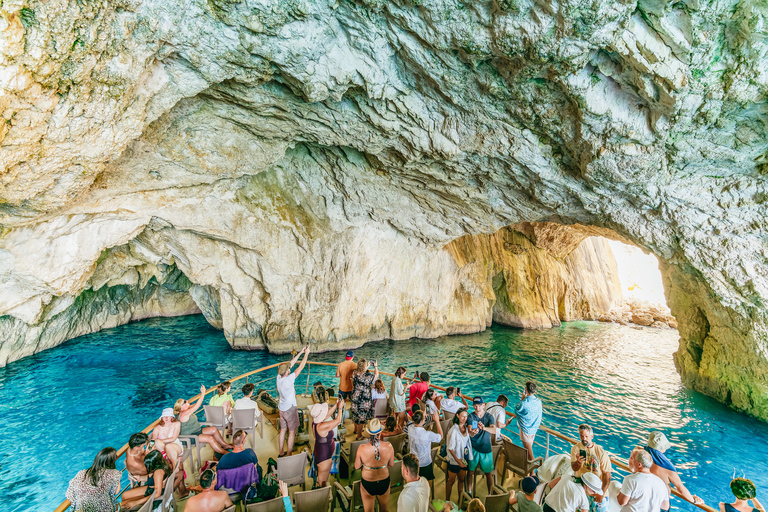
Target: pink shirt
<point x="416" y="391"/>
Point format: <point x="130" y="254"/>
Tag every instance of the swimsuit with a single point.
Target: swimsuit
<point x="324" y="445"/>
<point x="375" y="487"/>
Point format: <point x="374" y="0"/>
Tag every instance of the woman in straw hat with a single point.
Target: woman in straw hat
<point x="375" y="458"/>
<point x="322" y="428"/>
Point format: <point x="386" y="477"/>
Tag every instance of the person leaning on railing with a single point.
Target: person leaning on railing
<point x="95" y="489"/>
<point x="528" y="412"/>
<point x="664" y="469"/>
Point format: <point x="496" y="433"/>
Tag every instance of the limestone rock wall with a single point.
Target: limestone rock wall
<point x="318" y="155"/>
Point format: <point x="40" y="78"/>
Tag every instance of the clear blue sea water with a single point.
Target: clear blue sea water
<point x="61" y="406"/>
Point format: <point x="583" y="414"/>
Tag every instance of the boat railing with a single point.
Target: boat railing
<point x="552" y="436"/>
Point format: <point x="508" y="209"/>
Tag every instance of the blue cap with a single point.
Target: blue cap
<point x="478" y="400"/>
<point x="350" y="354"/>
<point x="529" y="484"/>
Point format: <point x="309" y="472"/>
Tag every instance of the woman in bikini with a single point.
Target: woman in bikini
<point x="166" y="436"/>
<point x="375" y="458"/>
<point x="190" y="425"/>
<point x="324" y="443"/>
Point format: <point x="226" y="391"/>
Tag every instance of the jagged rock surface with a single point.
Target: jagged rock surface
<point x="306" y="161"/>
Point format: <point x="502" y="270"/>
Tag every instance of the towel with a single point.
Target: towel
<point x="660" y="459"/>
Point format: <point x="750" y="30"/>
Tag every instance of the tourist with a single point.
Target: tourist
<point x="450" y="404"/>
<point x="391" y="428"/>
<point x="397" y="396"/>
<point x="166" y="436"/>
<point x="571" y="494"/>
<point x="289" y="411"/>
<point x="528" y="412"/>
<point x="286" y="497"/>
<point x="362" y="401"/>
<point x="247" y="401"/>
<point x="429" y="401"/>
<point x="498" y="410"/>
<point x="589" y="457"/>
<point x="210" y="500"/>
<point x="525" y="499"/>
<point x="744" y="490"/>
<point x="158" y="470"/>
<point x="379" y="392"/>
<point x="482" y="428"/>
<point x="475" y="505"/>
<point x="138" y="447"/>
<point x="409" y="421"/>
<point x="663" y="468"/>
<point x="222" y="397"/>
<point x="418" y="389"/>
<point x="344" y="372"/>
<point x="323" y="429"/>
<point x="458" y="452"/>
<point x="642" y="491"/>
<point x="375" y="458"/>
<point x="240" y="455"/>
<point x="96" y="488"/>
<point x="420" y="443"/>
<point x="415" y="494"/>
<point x="190" y="425"/>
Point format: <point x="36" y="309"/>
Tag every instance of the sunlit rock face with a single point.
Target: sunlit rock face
<point x="304" y="164"/>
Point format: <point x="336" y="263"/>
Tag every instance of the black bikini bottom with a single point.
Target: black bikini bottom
<point x="376" y="487"/>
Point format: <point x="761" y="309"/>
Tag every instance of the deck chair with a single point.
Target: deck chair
<point x="230" y="509"/>
<point x="349" y="455"/>
<point x="496" y="501"/>
<point x="316" y="500"/>
<point x="215" y="417"/>
<point x="349" y="498"/>
<point x="448" y="415"/>
<point x="146" y="507"/>
<point x="380" y="406"/>
<point x="517" y="460"/>
<point x="397" y="444"/>
<point x="496" y="449"/>
<point x="168" y="503"/>
<point x="293" y="469"/>
<point x="275" y="505"/>
<point x="446" y="426"/>
<point x="396" y="480"/>
<point x="246" y="420"/>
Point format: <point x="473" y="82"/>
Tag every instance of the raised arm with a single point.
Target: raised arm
<point x="303" y="362"/>
<point x="199" y="401"/>
<point x="375" y="370"/>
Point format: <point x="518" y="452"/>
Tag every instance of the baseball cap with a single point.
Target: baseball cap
<point x="350" y="354"/>
<point x="529" y="484"/>
<point x="478" y="400"/>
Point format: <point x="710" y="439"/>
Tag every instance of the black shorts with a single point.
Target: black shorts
<point x="343" y="395"/>
<point x="428" y="471"/>
<point x="377" y="487"/>
<point x="547" y="508"/>
<point x="455" y="468"/>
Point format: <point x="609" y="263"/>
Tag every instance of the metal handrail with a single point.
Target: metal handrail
<point x="620" y="463"/>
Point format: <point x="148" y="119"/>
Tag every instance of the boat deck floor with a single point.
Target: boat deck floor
<point x="266" y="447"/>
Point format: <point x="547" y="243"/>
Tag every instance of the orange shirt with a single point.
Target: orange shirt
<point x="345" y="371"/>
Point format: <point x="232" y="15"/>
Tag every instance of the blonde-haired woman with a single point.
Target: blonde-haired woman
<point x="362" y="400"/>
<point x="190" y="425"/>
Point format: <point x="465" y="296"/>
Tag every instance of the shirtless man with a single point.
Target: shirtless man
<point x="138" y="447"/>
<point x="663" y="468"/>
<point x="209" y="500"/>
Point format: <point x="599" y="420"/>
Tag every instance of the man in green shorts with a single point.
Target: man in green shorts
<point x="482" y="428"/>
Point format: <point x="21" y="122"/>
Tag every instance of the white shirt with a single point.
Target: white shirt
<point x="247" y="403"/>
<point x="414" y="497"/>
<point x="567" y="496"/>
<point x="498" y="412"/>
<point x="432" y="406"/>
<point x="286" y="391"/>
<point x="457" y="442"/>
<point x="420" y="442"/>
<point x="376" y="395"/>
<point x="646" y="492"/>
<point x="451" y="405"/>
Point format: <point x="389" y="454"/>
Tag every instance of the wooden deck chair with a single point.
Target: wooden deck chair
<point x="246" y="420"/>
<point x="380" y="406"/>
<point x="275" y="505"/>
<point x="293" y="469"/>
<point x="397" y="444"/>
<point x="349" y="455"/>
<point x="215" y="417"/>
<point x="517" y="460"/>
<point x="349" y="498"/>
<point x="316" y="500"/>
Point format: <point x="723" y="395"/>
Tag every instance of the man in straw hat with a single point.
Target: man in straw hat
<point x="642" y="491"/>
<point x="289" y="411"/>
<point x="571" y="494"/>
<point x="663" y="468"/>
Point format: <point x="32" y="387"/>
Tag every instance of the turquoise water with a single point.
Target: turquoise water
<point x="63" y="405"/>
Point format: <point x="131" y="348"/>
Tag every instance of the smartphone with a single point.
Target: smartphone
<point x="583" y="453"/>
<point x="474" y="424"/>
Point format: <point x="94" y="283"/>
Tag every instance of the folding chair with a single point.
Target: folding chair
<point x="316" y="500"/>
<point x="293" y="469"/>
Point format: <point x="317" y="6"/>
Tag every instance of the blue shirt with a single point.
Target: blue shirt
<point x="234" y="460"/>
<point x="481" y="442"/>
<point x="528" y="412"/>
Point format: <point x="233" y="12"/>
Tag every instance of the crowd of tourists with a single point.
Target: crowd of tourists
<point x="468" y="431"/>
